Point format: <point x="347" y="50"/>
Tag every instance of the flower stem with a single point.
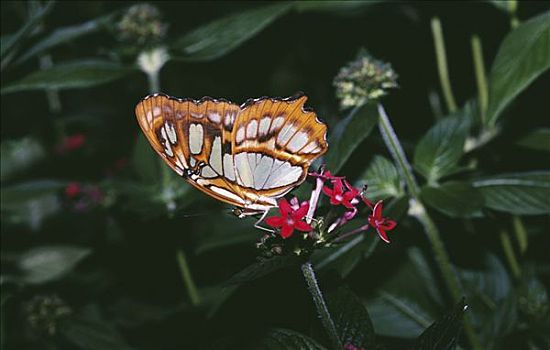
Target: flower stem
<point x="481" y="78"/>
<point x="419" y="211"/>
<point x="441" y="58"/>
<point x="396" y="150"/>
<point x="521" y="234"/>
<point x="320" y="305"/>
<point x="509" y="253"/>
<point x="188" y="278"/>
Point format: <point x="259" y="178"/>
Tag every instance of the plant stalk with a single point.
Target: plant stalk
<point x="320" y="305"/>
<point x="419" y="211"/>
<point x="442" y="69"/>
<point x="188" y="281"/>
<point x="510" y="255"/>
<point x="521" y="234"/>
<point x="481" y="78"/>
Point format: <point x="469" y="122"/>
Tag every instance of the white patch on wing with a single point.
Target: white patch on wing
<point x="298" y="141"/>
<point x="282" y="174"/>
<point x="149" y="117"/>
<point x="192" y="161"/>
<point x="242" y="167"/>
<point x="227" y="194"/>
<point x="264" y="126"/>
<point x="229" y="119"/>
<point x="216" y="155"/>
<point x="196" y="115"/>
<point x="252" y="129"/>
<point x="262" y="171"/>
<point x="171" y="132"/>
<point x="215" y="117"/>
<point x="277" y="122"/>
<point x="207" y="172"/>
<point x="285" y="134"/>
<point x="310" y="147"/>
<point x="196" y="138"/>
<point x="156" y="111"/>
<point x="228" y="167"/>
<point x="167" y="147"/>
<point x="240" y="135"/>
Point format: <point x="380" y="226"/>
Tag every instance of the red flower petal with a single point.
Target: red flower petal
<point x="377" y="211"/>
<point x="284" y="207"/>
<point x="275" y="221"/>
<point x="382" y="234"/>
<point x="327" y="191"/>
<point x="287" y="231"/>
<point x="388" y="224"/>
<point x="301" y="212"/>
<point x="302" y="226"/>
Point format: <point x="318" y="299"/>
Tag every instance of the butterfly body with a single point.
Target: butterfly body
<point x="247" y="155"/>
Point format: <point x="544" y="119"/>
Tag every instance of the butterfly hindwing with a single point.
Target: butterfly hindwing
<point x="246" y="156"/>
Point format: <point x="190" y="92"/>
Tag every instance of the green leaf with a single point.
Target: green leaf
<point x="523" y="56"/>
<point x="89" y="331"/>
<point x="16" y="195"/>
<point x="443" y="334"/>
<point x="538" y="139"/>
<point x="263" y="267"/>
<point x="490" y="294"/>
<point x="71" y="75"/>
<point x="19" y="155"/>
<point x="382" y="179"/>
<point x="66" y="34"/>
<point x="343" y="7"/>
<point x="455" y="199"/>
<point x="438" y="152"/>
<point x="406" y="312"/>
<point x="348" y="135"/>
<point x="145" y="161"/>
<point x="517" y="193"/>
<point x="351" y="319"/>
<point x="26" y="30"/>
<point x="286" y="339"/>
<point x="49" y="263"/>
<point x="224" y="35"/>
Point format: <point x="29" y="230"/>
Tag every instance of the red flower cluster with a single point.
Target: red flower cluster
<point x="290" y="219"/>
<point x="71" y="143"/>
<point x="340" y="192"/>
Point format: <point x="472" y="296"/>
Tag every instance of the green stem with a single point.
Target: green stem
<point x="396" y="150"/>
<point x="521" y="234"/>
<point x="512" y="10"/>
<point x="441" y="58"/>
<point x="192" y="290"/>
<point x="419" y="211"/>
<point x="481" y="78"/>
<point x="320" y="305"/>
<point x="509" y="253"/>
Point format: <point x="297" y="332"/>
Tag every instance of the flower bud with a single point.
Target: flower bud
<point x="362" y="80"/>
<point x="44" y="312"/>
<point x="141" y="25"/>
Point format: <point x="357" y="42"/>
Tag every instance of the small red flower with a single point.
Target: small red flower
<point x="71" y="143"/>
<point x="326" y="175"/>
<point x="72" y="189"/>
<point x="290" y="219"/>
<point x="380" y="223"/>
<point x="340" y="195"/>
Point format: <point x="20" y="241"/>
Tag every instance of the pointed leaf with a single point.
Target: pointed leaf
<point x="263" y="267"/>
<point x="517" y="193"/>
<point x="348" y="135"/>
<point x="455" y="199"/>
<point x="66" y="34"/>
<point x="538" y="139"/>
<point x="25" y="30"/>
<point x="48" y="263"/>
<point x="71" y="75"/>
<point x="222" y="36"/>
<point x="286" y="339"/>
<point x="443" y="334"/>
<point x="523" y="56"/>
<point x="382" y="179"/>
<point x="438" y="152"/>
<point x="351" y="319"/>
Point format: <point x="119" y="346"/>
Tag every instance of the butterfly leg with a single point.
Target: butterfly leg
<point x="263" y="228"/>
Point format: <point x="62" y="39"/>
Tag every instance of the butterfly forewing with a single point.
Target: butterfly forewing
<point x="246" y="156"/>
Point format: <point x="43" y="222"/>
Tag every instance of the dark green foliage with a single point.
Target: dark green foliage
<point x="104" y="247"/>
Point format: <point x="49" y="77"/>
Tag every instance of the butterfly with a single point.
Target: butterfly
<point x="247" y="155"/>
